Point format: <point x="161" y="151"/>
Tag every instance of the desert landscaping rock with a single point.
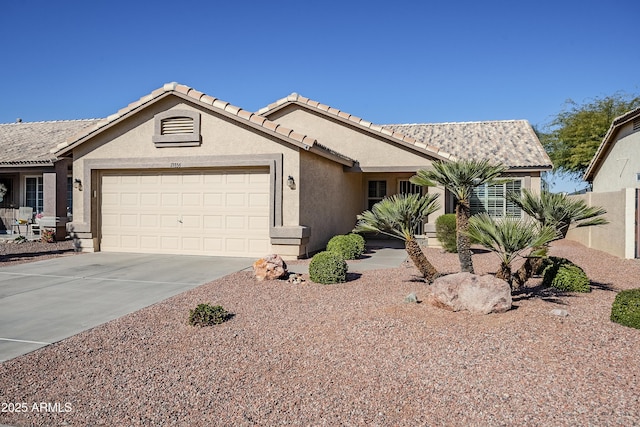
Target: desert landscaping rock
<point x="559" y="312"/>
<point x="348" y="354"/>
<point x="470" y="292"/>
<point x="271" y="267"/>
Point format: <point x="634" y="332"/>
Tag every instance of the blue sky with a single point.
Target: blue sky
<point x="388" y="62"/>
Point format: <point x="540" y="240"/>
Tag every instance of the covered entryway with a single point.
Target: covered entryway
<point x="191" y="212"/>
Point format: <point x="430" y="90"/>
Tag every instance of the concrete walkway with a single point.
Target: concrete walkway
<point x="47" y="301"/>
<point x="378" y="255"/>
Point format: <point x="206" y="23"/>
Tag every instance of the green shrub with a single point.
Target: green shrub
<point x="626" y="308"/>
<point x="446" y="232"/>
<point x="564" y="275"/>
<point x="328" y="267"/>
<point x="359" y="243"/>
<point x="350" y="246"/>
<point x="571" y="278"/>
<point x="208" y="315"/>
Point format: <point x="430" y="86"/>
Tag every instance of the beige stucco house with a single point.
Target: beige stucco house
<point x="181" y="172"/>
<point x="614" y="173"/>
<point x="32" y="176"/>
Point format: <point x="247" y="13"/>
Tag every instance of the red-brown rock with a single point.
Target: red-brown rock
<point x="270" y="267"/>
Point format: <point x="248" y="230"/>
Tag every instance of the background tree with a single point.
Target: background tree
<point x="399" y="216"/>
<point x="460" y="178"/>
<point x="575" y="133"/>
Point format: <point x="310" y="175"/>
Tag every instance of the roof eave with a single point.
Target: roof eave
<point x="351" y="120"/>
<point x="598" y="157"/>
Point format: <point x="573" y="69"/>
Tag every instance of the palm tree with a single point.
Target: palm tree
<point x="509" y="238"/>
<point x="460" y="178"/>
<point x="399" y="216"/>
<point x="558" y="211"/>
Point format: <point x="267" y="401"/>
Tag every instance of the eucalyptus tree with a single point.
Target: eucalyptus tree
<point x="399" y="216"/>
<point x="460" y="178"/>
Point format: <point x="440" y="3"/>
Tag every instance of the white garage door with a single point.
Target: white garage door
<point x="223" y="213"/>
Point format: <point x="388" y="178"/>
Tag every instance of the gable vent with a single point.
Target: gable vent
<point x="636" y="125"/>
<point x="176" y="126"/>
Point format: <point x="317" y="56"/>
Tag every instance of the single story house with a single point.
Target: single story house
<point x="614" y="173"/>
<point x="30" y="175"/>
<point x="182" y="172"/>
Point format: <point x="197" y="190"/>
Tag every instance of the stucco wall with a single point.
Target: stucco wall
<point x="369" y="150"/>
<point x="221" y="137"/>
<point x="621" y="164"/>
<point x="330" y="199"/>
<point x="617" y="237"/>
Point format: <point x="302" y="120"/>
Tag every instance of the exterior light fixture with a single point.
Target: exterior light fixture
<point x="77" y="184"/>
<point x="291" y="183"/>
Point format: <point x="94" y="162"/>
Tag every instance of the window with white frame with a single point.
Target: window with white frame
<point x="377" y="191"/>
<point x="493" y="199"/>
<point x="69" y="194"/>
<point x="34" y="196"/>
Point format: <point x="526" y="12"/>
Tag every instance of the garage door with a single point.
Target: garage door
<point x="223" y="213"/>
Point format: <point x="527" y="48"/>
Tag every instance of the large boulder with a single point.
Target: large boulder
<point x="466" y="291"/>
<point x="270" y="267"/>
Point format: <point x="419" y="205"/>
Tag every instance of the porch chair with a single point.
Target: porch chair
<point x="25" y="217"/>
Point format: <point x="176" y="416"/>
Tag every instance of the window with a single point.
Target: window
<point x="407" y="187"/>
<point x="33" y="193"/>
<point x="377" y="191"/>
<point x="492" y="199"/>
<point x="69" y="195"/>
<point x="177" y="128"/>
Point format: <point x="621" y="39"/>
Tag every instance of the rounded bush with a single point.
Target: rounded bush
<point x="328" y="267"/>
<point x="446" y="232"/>
<point x="346" y="245"/>
<point x="359" y="243"/>
<point x="564" y="275"/>
<point x="207" y="315"/>
<point x="626" y="308"/>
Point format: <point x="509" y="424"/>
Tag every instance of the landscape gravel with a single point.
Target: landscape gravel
<point x="346" y="354"/>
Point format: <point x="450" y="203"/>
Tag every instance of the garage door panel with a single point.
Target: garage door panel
<point x="186" y="212"/>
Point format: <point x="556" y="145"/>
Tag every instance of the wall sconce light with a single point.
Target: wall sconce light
<point x="291" y="183"/>
<point x="77" y="184"/>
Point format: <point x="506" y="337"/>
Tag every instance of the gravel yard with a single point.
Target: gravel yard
<point x="12" y="253"/>
<point x="347" y="354"/>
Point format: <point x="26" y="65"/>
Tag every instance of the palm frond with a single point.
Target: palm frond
<point x="397" y="216"/>
<point x="460" y="177"/>
<point x="509" y="238"/>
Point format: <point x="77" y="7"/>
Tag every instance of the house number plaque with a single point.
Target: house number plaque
<point x="176" y="165"/>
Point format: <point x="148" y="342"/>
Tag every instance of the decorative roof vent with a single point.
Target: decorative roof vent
<point x="177" y="128"/>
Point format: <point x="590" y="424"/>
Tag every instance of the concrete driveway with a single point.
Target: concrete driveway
<point x="47" y="301"/>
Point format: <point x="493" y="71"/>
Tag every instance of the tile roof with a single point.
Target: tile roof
<point x="384" y="131"/>
<point x="30" y="143"/>
<point x="254" y="120"/>
<point x="511" y="142"/>
<point x="598" y="157"/>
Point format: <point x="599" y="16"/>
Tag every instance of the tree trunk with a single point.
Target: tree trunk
<point x="527" y="270"/>
<point x="463" y="213"/>
<point x="505" y="274"/>
<point x="419" y="259"/>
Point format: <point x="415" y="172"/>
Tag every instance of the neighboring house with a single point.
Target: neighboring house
<point x="29" y="171"/>
<point x="182" y="172"/>
<point x="614" y="173"/>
